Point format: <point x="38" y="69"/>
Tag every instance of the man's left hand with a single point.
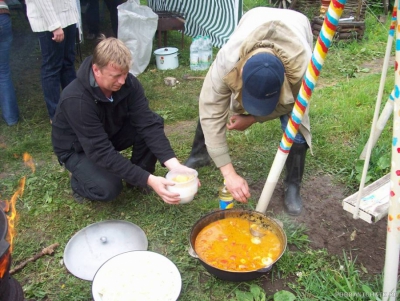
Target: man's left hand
<point x="58" y="35"/>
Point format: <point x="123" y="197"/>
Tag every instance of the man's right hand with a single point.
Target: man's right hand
<point x="159" y="185"/>
<point x="236" y="185"/>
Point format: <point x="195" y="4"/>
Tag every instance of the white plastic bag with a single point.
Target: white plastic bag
<point x="137" y="25"/>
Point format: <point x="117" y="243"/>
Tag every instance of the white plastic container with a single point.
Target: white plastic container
<point x="194" y="55"/>
<point x="186" y="184"/>
<point x="167" y="58"/>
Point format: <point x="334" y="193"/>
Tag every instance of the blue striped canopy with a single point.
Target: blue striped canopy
<point x="214" y="18"/>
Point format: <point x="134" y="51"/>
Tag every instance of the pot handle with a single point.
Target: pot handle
<point x="265" y="269"/>
<point x="192" y="252"/>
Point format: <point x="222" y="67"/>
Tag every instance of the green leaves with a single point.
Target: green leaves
<point x="256" y="293"/>
<point x="284" y="296"/>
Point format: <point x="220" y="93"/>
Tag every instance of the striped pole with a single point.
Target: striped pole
<point x="325" y="37"/>
<point x="377" y="108"/>
<point x="393" y="224"/>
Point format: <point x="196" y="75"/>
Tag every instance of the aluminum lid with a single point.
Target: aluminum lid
<point x="92" y="246"/>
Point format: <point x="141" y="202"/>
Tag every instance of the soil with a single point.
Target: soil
<point x="329" y="226"/>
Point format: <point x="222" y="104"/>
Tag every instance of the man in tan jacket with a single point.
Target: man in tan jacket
<point x="256" y="77"/>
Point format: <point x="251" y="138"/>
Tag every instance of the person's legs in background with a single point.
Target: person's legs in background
<point x="68" y="73"/>
<point x="92" y="16"/>
<point x="52" y="67"/>
<point x="112" y="8"/>
<point x="8" y="100"/>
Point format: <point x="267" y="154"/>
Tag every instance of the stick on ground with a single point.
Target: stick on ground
<point x="46" y="251"/>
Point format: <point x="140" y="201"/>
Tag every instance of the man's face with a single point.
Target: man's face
<point x="110" y="78"/>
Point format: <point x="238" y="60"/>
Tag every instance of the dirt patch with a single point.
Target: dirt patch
<point x="330" y="227"/>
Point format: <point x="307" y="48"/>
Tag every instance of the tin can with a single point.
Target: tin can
<point x="225" y="198"/>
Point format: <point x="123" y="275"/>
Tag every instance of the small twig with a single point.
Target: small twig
<point x="46" y="251"/>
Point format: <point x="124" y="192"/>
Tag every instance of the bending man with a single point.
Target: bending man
<point x="256" y="76"/>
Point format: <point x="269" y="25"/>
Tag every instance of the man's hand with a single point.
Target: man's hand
<point x="236" y="185"/>
<point x="159" y="185"/>
<point x="58" y="35"/>
<point x="240" y="122"/>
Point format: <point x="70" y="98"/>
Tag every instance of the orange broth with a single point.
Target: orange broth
<point x="227" y="244"/>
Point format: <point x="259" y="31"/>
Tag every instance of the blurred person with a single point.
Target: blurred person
<point x="102" y="112"/>
<point x="8" y="99"/>
<point x="256" y="77"/>
<point x="55" y="22"/>
<point x="92" y="15"/>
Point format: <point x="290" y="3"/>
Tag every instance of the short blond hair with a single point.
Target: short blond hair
<point x="114" y="51"/>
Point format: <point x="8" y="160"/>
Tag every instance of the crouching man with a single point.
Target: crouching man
<point x="103" y="111"/>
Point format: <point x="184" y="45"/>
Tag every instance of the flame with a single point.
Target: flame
<point x="11" y="218"/>
<point x="11" y="211"/>
<point x="4" y="264"/>
<point x="29" y="161"/>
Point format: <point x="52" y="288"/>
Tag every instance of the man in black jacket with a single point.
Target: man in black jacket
<point x="103" y="111"/>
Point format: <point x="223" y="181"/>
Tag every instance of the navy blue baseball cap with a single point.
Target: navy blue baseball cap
<point x="263" y="76"/>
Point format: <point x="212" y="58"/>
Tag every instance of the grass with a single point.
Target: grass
<point x="341" y="114"/>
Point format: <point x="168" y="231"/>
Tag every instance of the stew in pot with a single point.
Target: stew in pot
<point x="227" y="244"/>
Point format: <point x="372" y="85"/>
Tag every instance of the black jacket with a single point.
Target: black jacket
<point x="85" y="120"/>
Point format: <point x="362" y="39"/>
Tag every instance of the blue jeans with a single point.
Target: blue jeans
<point x="299" y="137"/>
<point x="8" y="100"/>
<point x="58" y="68"/>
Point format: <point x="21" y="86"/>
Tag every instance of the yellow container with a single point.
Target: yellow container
<point x="225" y="198"/>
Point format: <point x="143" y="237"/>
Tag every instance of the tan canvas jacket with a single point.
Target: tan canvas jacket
<point x="286" y="34"/>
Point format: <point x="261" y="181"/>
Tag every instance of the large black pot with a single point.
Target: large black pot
<point x="252" y="216"/>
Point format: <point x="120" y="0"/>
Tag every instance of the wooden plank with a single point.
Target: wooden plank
<point x="374" y="203"/>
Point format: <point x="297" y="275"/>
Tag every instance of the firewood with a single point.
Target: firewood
<point x="46" y="251"/>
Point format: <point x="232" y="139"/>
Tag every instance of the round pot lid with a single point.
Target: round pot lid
<point x="89" y="248"/>
<point x="137" y="275"/>
<point x="166" y="51"/>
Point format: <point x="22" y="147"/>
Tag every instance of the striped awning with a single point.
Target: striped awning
<point x="214" y="18"/>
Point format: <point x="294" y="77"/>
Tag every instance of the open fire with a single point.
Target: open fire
<point x="10" y="289"/>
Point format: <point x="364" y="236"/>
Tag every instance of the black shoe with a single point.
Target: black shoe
<point x="79" y="199"/>
<point x="198" y="161"/>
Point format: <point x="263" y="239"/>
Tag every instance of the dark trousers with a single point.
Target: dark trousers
<point x="93" y="15"/>
<point x="58" y="68"/>
<point x="95" y="182"/>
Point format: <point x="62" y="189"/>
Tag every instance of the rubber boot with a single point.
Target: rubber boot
<point x="198" y="156"/>
<point x="294" y="173"/>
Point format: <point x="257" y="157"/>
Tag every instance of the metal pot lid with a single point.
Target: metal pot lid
<point x="137" y="276"/>
<point x="90" y="247"/>
<point x="166" y="51"/>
